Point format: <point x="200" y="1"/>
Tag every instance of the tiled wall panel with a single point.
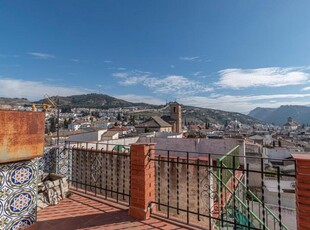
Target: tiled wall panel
<point x="18" y="194"/>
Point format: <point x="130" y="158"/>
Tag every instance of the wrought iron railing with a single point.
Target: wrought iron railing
<point x="240" y="204"/>
<point x="229" y="160"/>
<point x="183" y="188"/>
<point x="205" y="192"/>
<point x="98" y="169"/>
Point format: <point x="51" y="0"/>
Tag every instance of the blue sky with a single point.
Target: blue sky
<point x="229" y="55"/>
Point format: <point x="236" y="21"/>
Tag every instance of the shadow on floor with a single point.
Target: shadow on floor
<point x="81" y="211"/>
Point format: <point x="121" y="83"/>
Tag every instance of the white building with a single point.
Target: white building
<point x="290" y="125"/>
<point x="94" y="135"/>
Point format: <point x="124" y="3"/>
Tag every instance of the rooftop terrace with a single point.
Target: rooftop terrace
<point x="82" y="211"/>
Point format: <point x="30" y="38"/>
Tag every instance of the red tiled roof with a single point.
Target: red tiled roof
<point x="119" y="128"/>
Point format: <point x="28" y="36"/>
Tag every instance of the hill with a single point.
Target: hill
<point x="93" y="100"/>
<point x="218" y="116"/>
<point x="100" y="101"/>
<point x="197" y="115"/>
<point x="279" y="116"/>
<point x="9" y="103"/>
<point x="261" y="113"/>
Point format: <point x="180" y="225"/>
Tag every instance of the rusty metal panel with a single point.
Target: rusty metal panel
<point x="21" y="135"/>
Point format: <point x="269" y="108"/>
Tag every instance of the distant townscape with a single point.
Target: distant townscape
<point x="154" y="115"/>
<point x="267" y="145"/>
<point x="119" y="119"/>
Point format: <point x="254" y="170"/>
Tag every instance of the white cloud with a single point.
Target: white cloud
<point x="107" y="61"/>
<point x="245" y="103"/>
<point x="75" y="60"/>
<point x="197" y="73"/>
<point x="172" y="66"/>
<point x="172" y="84"/>
<point x="188" y="58"/>
<point x="133" y="80"/>
<point x="264" y="97"/>
<point x="120" y="75"/>
<point x="305" y="88"/>
<point x="41" y="55"/>
<point x="175" y="84"/>
<point x="141" y="98"/>
<point x="267" y="77"/>
<point x="34" y="90"/>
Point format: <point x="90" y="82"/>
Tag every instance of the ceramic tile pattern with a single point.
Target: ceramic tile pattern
<point x="18" y="194"/>
<point x="55" y="160"/>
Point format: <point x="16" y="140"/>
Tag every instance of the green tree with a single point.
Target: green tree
<point x="66" y="109"/>
<point x="132" y="119"/>
<point x="70" y="120"/>
<point x="119" y="117"/>
<point x="84" y="113"/>
<point x="95" y="114"/>
<point x="66" y="123"/>
<point x="207" y="124"/>
<point x="52" y="122"/>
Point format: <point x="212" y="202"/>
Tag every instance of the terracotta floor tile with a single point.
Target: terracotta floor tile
<point x="81" y="211"/>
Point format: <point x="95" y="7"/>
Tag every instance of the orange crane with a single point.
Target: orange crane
<point x="55" y="105"/>
<point x="46" y="106"/>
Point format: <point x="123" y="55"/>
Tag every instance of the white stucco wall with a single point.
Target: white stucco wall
<point x="279" y="153"/>
<point x="196" y="147"/>
<point x="89" y="136"/>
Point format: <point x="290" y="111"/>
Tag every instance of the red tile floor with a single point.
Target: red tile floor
<point x="81" y="211"/>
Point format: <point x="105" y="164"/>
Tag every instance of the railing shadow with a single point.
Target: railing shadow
<point x="81" y="211"/>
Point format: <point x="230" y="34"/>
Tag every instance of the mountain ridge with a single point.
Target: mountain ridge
<point x="191" y="113"/>
<point x="279" y="115"/>
<point x="92" y="100"/>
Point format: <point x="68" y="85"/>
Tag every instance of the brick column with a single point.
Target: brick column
<point x="142" y="180"/>
<point x="302" y="190"/>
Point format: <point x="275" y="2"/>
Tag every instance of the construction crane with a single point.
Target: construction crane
<point x="43" y="106"/>
<point x="46" y="106"/>
<point x="55" y="105"/>
<point x="51" y="101"/>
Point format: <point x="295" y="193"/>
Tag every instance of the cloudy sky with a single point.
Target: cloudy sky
<point x="230" y="55"/>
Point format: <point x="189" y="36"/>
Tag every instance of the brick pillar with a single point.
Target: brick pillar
<point x="142" y="180"/>
<point x="302" y="190"/>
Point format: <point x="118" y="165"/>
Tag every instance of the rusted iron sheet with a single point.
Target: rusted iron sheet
<point x="21" y="135"/>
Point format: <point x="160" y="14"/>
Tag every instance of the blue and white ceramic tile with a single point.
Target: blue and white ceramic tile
<point x="18" y="194"/>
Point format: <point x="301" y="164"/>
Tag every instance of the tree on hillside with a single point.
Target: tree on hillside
<point x="84" y="113"/>
<point x="52" y="126"/>
<point x="119" y="117"/>
<point x="95" y="114"/>
<point x="132" y="119"/>
<point x="66" y="123"/>
<point x="66" y="109"/>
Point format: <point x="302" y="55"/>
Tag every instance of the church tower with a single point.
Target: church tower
<point x="176" y="114"/>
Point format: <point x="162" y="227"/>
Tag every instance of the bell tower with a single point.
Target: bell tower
<point x="176" y="114"/>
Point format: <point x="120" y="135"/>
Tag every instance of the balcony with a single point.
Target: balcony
<point x="84" y="211"/>
<point x="175" y="189"/>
